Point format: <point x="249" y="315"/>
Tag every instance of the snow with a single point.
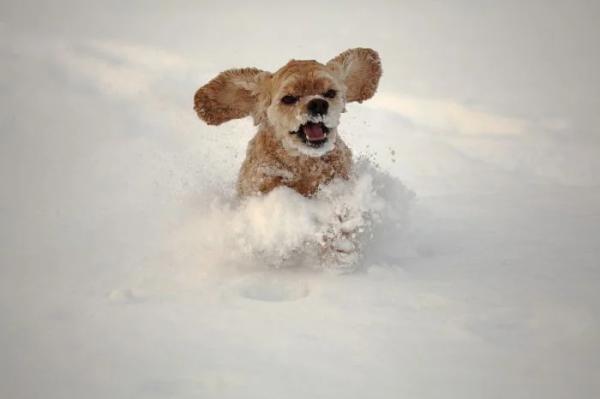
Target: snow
<point x="285" y="229"/>
<point x="128" y="269"/>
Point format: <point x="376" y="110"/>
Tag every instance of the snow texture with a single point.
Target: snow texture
<point x="128" y="268"/>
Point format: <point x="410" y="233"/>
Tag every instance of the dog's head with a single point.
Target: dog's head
<point x="301" y="102"/>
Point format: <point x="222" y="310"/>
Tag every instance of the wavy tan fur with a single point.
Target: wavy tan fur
<point x="360" y="69"/>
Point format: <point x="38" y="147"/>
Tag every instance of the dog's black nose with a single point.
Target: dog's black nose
<point x="317" y="106"/>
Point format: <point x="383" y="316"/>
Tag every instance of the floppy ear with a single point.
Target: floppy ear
<point x="233" y="94"/>
<point x="360" y="70"/>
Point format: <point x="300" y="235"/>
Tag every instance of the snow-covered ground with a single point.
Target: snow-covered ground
<point x="129" y="270"/>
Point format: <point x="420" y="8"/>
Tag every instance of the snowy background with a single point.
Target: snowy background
<point x="121" y="274"/>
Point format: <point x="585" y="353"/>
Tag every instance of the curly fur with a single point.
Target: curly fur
<point x="274" y="156"/>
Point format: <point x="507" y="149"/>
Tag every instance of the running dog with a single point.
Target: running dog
<point x="297" y="110"/>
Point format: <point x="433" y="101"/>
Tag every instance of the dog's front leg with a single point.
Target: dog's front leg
<point x="262" y="180"/>
<point x="341" y="244"/>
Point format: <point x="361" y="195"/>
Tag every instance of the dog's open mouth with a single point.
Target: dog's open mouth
<point x="312" y="134"/>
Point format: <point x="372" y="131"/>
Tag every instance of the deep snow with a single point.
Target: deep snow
<point x="128" y="269"/>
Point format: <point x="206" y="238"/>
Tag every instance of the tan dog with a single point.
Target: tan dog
<point x="297" y="110"/>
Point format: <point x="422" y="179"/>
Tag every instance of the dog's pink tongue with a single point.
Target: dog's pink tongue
<point x="314" y="132"/>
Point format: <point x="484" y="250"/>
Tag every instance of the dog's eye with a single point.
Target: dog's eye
<point x="289" y="100"/>
<point x="330" y="93"/>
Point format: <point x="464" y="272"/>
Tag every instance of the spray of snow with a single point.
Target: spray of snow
<point x="284" y="229"/>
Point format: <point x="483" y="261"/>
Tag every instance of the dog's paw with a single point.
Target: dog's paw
<point x="351" y="226"/>
<point x="343" y="245"/>
<point x="340" y="255"/>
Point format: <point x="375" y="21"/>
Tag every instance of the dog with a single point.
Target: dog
<point x="297" y="110"/>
